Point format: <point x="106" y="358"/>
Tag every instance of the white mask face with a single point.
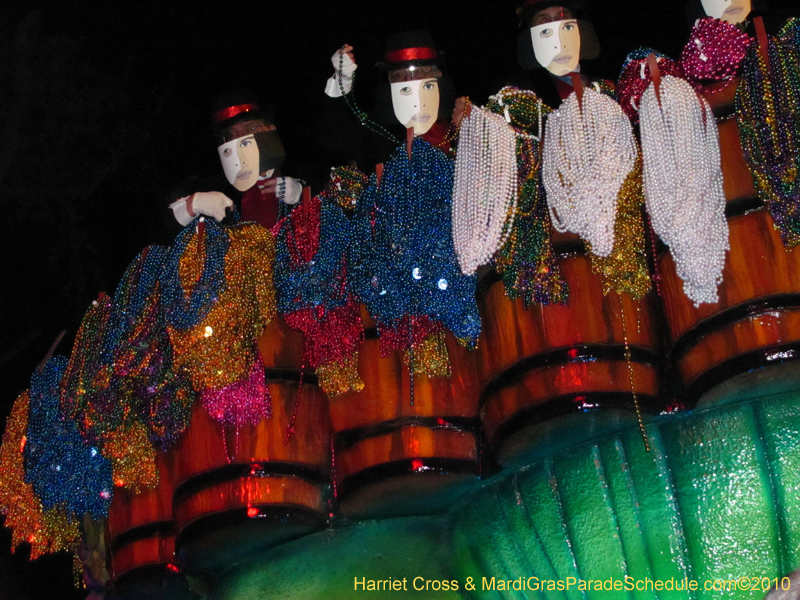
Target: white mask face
<point x="416" y="103"/>
<point x="240" y="161"/>
<point x="557" y="46"/>
<point x="732" y="11"/>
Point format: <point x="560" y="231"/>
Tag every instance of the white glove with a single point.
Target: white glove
<point x="345" y="58"/>
<point x="211" y="204"/>
<point x="291" y="193"/>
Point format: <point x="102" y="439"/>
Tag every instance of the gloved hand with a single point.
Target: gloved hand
<point x="287" y="189"/>
<point x="211" y="204"/>
<point x="348" y="66"/>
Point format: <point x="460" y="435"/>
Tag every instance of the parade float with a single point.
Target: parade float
<point x="561" y="366"/>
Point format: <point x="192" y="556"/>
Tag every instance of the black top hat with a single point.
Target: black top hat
<point x="410" y="48"/>
<point x="529" y="9"/>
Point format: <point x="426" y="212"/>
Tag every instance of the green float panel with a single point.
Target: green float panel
<point x="716" y="498"/>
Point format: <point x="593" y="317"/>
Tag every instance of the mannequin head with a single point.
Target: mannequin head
<point x="414" y="76"/>
<point x="557" y="45"/>
<point x="247" y="142"/>
<point x="556" y="36"/>
<point x="732" y="11"/>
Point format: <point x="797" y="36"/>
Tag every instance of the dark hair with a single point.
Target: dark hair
<point x="270" y="149"/>
<point x="527" y="12"/>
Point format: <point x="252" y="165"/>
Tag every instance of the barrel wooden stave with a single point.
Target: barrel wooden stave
<point x="146" y="520"/>
<point x="577" y="381"/>
<point x="757" y="266"/>
<point x="242" y="491"/>
<point x="713" y="341"/>
<point x="546" y="359"/>
<point x="394" y="457"/>
<point x="511" y="332"/>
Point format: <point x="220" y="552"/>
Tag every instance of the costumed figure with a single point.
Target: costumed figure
<point x="352" y="136"/>
<point x="251" y="154"/>
<point x="555" y="38"/>
<point x="216" y="289"/>
<point x="403" y="264"/>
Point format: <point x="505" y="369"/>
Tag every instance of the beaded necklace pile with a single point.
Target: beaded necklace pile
<point x="527" y="262"/>
<point x="714" y="52"/>
<point x="589" y="151"/>
<point x="767" y="103"/>
<point x="65" y="472"/>
<point x="311" y="282"/>
<point x="45" y="531"/>
<point x="219" y="297"/>
<point x="403" y="264"/>
<point x="683" y="184"/>
<point x="144" y="382"/>
<point x="485" y="188"/>
<point x="635" y="76"/>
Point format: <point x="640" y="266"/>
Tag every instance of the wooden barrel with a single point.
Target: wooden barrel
<point x="246" y="490"/>
<point x="757" y="319"/>
<point x="557" y="360"/>
<point x="142" y="534"/>
<point x="395" y="458"/>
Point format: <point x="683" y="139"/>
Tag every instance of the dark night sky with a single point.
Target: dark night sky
<point x="104" y="110"/>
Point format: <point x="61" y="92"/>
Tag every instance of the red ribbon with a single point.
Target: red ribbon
<point x="232" y="111"/>
<point x="406" y="54"/>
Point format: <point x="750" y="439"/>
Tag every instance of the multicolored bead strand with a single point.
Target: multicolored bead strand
<point x="527" y="262"/>
<point x="714" y="52"/>
<point x="624" y="271"/>
<point x="144" y="382"/>
<point x="766" y="104"/>
<point x="241" y="403"/>
<point x="65" y="471"/>
<point x="402" y="261"/>
<point x="311" y="282"/>
<point x="85" y="394"/>
<point x="219" y="347"/>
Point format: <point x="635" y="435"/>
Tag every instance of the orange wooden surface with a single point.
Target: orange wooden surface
<point x="752" y="333"/>
<point x="406" y="443"/>
<point x="756" y="266"/>
<point x="129" y="510"/>
<point x="539" y="386"/>
<point x="145" y="552"/>
<point x="386" y="394"/>
<point x="206" y="445"/>
<point x="248" y="492"/>
<point x="511" y="333"/>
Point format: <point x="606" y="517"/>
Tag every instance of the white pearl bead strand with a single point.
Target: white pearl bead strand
<point x="589" y="150"/>
<point x="485" y="188"/>
<point x="683" y="184"/>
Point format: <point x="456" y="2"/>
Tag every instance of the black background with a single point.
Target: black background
<point x="103" y="110"/>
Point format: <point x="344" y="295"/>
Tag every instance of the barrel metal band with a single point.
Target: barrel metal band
<point x="714" y="323"/>
<point x="573" y="404"/>
<point x="143" y="532"/>
<point x="398" y="468"/>
<point x="562" y="356"/>
<point x="294" y="515"/>
<point x="226" y="473"/>
<point x="737" y="365"/>
<point x="350" y="437"/>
